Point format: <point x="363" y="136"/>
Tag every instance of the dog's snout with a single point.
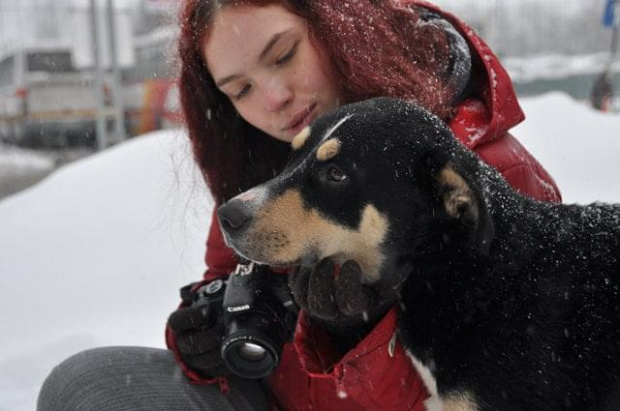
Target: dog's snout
<point x="234" y="215"/>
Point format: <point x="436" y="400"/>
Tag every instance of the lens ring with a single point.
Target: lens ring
<point x="251" y="351"/>
<point x="241" y="354"/>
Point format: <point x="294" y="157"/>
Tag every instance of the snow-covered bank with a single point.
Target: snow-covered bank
<point x="94" y="254"/>
<point x="18" y="160"/>
<point x="556" y="66"/>
<point x="579" y="146"/>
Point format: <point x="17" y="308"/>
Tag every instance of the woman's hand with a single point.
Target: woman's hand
<point x="199" y="333"/>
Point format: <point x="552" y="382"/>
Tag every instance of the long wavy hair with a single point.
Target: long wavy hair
<point x="376" y="47"/>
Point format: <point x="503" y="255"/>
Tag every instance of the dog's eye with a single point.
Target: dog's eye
<point x="336" y="174"/>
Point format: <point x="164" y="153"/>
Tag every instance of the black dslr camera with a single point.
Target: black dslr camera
<point x="259" y="316"/>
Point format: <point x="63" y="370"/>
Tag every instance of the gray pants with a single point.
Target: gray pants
<point x="136" y="379"/>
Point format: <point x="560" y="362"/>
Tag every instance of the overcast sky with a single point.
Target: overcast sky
<point x="19" y="19"/>
<point x="24" y="19"/>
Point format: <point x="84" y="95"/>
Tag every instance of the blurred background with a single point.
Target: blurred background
<point x="60" y="96"/>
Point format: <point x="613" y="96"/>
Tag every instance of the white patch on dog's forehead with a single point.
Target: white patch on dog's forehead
<point x="334" y="128"/>
<point x="255" y="195"/>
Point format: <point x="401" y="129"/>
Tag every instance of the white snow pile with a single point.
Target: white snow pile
<point x="16" y="160"/>
<point x="580" y="147"/>
<point x="556" y="66"/>
<point x="94" y="254"/>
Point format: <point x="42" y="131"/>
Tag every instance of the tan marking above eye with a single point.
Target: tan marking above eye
<point x="328" y="149"/>
<point x="300" y="139"/>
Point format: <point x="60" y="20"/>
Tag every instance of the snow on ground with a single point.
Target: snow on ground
<point x="580" y="147"/>
<point x="94" y="254"/>
<point x="556" y="66"/>
<point x="18" y="160"/>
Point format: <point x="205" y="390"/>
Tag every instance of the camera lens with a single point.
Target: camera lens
<point x="252" y="352"/>
<point x="259" y="317"/>
<point x="250" y="356"/>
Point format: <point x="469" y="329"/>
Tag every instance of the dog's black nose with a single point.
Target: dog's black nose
<point x="234" y="215"/>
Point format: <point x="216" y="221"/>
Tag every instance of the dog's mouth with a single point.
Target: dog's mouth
<point x="285" y="232"/>
<point x="268" y="250"/>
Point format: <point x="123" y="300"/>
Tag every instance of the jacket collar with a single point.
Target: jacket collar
<point x="494" y="107"/>
<point x="319" y="356"/>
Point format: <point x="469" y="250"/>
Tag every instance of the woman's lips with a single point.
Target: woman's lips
<point x="301" y="120"/>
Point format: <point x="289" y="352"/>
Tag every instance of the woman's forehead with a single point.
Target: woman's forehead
<point x="237" y="34"/>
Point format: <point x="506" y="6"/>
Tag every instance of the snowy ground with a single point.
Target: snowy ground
<point x="555" y="66"/>
<point x="94" y="254"/>
<point x="21" y="168"/>
<point x="579" y="146"/>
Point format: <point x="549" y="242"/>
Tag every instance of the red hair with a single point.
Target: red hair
<point x="376" y="47"/>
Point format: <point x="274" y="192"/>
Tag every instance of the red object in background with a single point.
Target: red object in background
<point x="21" y="92"/>
<point x="156" y="108"/>
<point x="602" y="92"/>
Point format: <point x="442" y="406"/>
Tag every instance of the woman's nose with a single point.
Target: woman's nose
<point x="277" y="95"/>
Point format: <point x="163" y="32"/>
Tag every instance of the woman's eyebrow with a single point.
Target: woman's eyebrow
<point x="270" y="44"/>
<point x="227" y="79"/>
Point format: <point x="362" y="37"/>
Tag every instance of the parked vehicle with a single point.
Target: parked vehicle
<point x="44" y="99"/>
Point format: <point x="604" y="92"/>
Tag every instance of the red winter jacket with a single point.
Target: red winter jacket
<point x="376" y="374"/>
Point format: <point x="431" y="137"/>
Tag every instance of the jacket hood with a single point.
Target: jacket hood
<point x="496" y="109"/>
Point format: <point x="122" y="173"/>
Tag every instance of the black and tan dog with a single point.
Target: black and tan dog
<point x="506" y="304"/>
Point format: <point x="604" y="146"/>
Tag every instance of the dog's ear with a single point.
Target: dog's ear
<point x="459" y="201"/>
<point x="462" y="202"/>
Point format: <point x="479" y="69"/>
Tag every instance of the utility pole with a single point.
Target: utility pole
<point x="613" y="55"/>
<point x="602" y="96"/>
<point x="614" y="44"/>
<point x="612" y="20"/>
<point x="119" y="111"/>
<point x="102" y="132"/>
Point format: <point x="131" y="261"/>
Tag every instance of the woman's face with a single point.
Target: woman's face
<point x="263" y="60"/>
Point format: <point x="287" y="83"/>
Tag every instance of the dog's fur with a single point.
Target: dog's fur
<point x="508" y="303"/>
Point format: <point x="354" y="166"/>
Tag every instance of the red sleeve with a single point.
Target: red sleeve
<point x="522" y="171"/>
<point x="219" y="258"/>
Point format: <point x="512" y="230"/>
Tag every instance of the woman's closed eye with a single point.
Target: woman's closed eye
<point x="242" y="92"/>
<point x="288" y="55"/>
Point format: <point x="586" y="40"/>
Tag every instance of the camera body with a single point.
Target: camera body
<point x="258" y="314"/>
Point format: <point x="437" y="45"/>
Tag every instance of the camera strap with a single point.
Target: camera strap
<point x="244" y="269"/>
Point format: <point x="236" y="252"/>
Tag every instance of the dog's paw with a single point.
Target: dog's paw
<point x="343" y="298"/>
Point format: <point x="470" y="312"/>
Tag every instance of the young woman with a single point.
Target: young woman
<point x="253" y="74"/>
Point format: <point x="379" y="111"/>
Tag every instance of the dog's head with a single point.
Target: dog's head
<point x="375" y="182"/>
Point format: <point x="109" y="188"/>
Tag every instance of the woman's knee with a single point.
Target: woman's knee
<point x="137" y="378"/>
<point x="98" y="375"/>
